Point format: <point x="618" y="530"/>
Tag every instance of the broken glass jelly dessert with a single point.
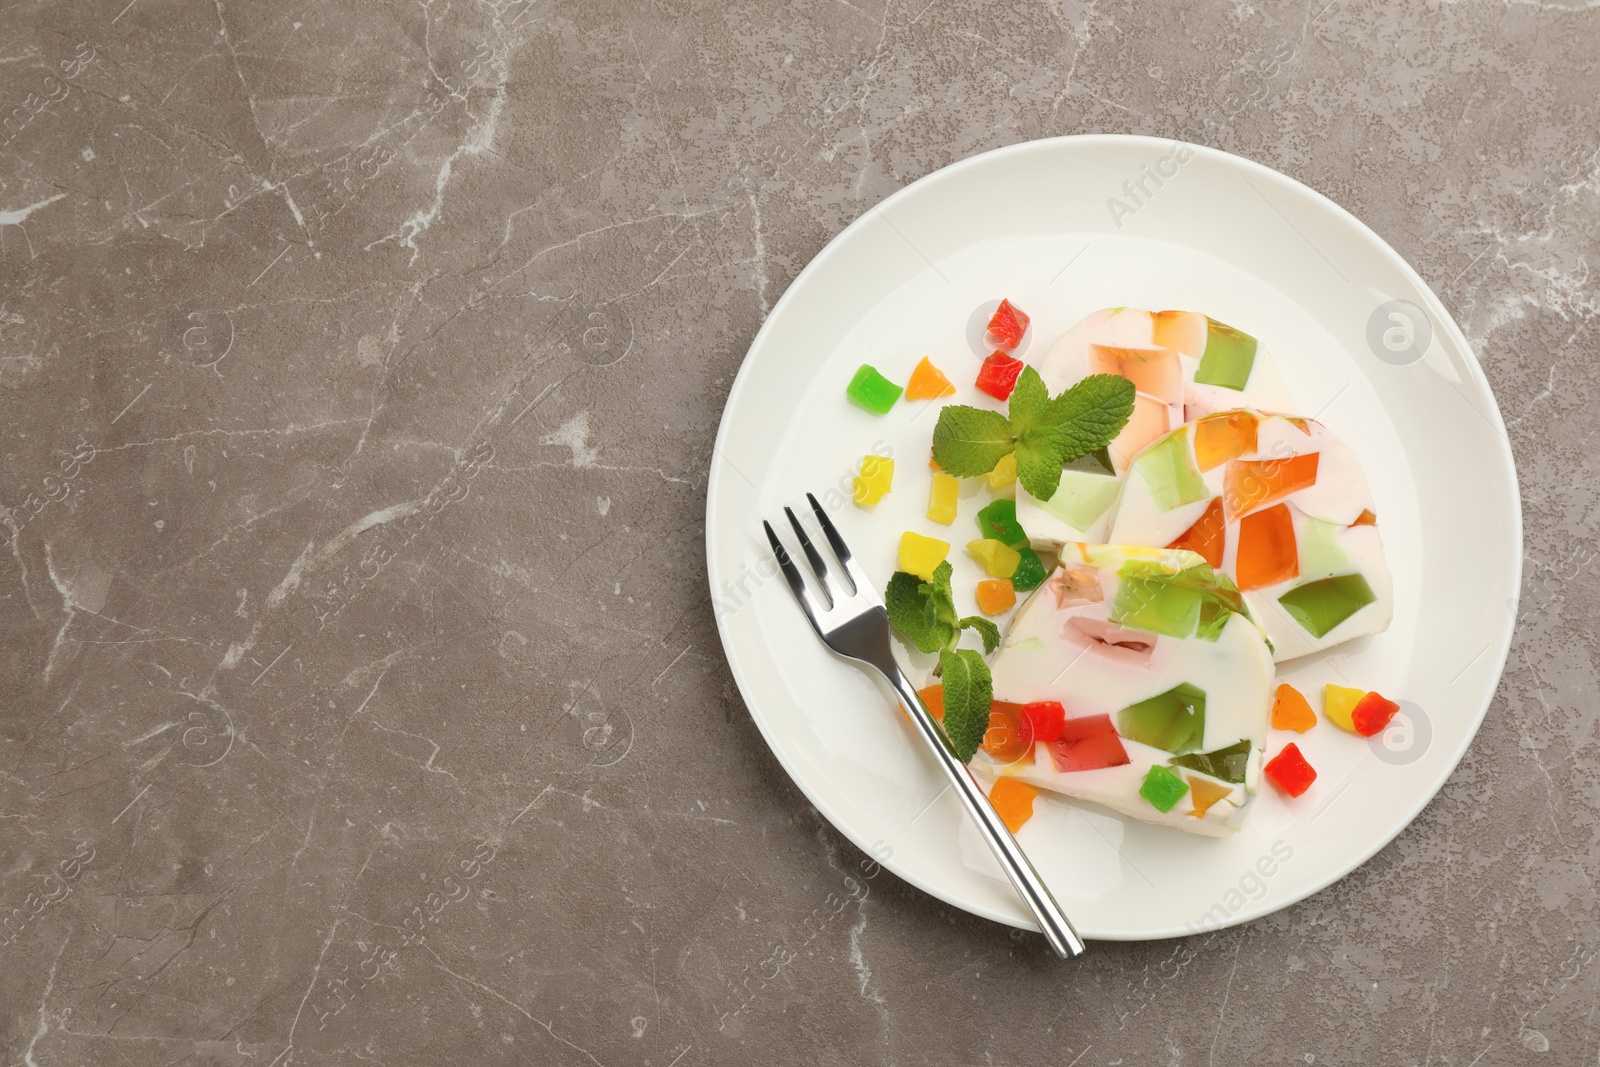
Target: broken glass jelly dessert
<point x="928" y="382"/>
<point x="1295" y="529"/>
<point x="1154" y="658"/>
<point x="872" y="390"/>
<point x="872" y="484"/>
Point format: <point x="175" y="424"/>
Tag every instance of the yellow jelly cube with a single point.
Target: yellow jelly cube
<point x="942" y="499"/>
<point x="999" y="559"/>
<point x="1004" y="475"/>
<point x="920" y="555"/>
<point x="873" y="482"/>
<point x="1337" y="703"/>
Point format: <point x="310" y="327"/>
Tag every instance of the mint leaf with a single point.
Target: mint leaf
<point x="968" y="441"/>
<point x="1030" y="401"/>
<point x="968" y="691"/>
<point x="1086" y="417"/>
<point x="923" y="612"/>
<point x="1039" y="469"/>
<point x="986" y="629"/>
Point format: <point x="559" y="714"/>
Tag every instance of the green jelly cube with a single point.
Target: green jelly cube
<point x="1030" y="572"/>
<point x="872" y="390"/>
<point x="1167" y="470"/>
<point x="999" y="522"/>
<point x="1082" y="498"/>
<point x="1227" y="764"/>
<point x="1320" y="606"/>
<point x="1156" y="605"/>
<point x="1174" y="721"/>
<point x="1321" y="554"/>
<point x="1228" y="359"/>
<point x="1163" y="789"/>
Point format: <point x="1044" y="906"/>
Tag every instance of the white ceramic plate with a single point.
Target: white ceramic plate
<point x="1195" y="229"/>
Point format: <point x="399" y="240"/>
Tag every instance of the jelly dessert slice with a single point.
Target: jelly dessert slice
<point x="1229" y="357"/>
<point x="1267" y="554"/>
<point x="1174" y="721"/>
<point x="1223" y="436"/>
<point x="1169" y="475"/>
<point x="1227" y="764"/>
<point x="1208" y="536"/>
<point x="1153" y="371"/>
<point x="1322" y="605"/>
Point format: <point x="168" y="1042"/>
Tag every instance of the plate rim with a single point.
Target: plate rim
<point x="1445" y="324"/>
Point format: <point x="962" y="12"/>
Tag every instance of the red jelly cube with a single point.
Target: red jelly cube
<point x="998" y="375"/>
<point x="1007" y="326"/>
<point x="1372" y="713"/>
<point x="1289" y="771"/>
<point x="1043" y="721"/>
<point x="1089" y="743"/>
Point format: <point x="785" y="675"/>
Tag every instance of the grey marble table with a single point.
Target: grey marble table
<point x="360" y="697"/>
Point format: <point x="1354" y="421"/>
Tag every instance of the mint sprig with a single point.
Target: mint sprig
<point x="968" y="692"/>
<point x="1044" y="432"/>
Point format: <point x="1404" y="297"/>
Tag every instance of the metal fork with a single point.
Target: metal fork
<point x="855" y="625"/>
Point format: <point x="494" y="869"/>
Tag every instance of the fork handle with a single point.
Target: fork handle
<point x="1051" y="919"/>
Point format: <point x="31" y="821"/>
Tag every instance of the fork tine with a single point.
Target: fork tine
<point x="791" y="573"/>
<point x="815" y="559"/>
<point x="858" y="580"/>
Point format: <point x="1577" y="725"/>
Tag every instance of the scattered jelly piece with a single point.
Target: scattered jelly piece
<point x="1208" y="535"/>
<point x="928" y="382"/>
<point x="1154" y="371"/>
<point x="1089" y="743"/>
<point x="1167" y="472"/>
<point x="1224" y="436"/>
<point x="1150" y="419"/>
<point x="1174" y="721"/>
<point x="1003" y="740"/>
<point x="1030" y="572"/>
<point x="919" y="555"/>
<point x="1012" y="801"/>
<point x="1229" y="357"/>
<point x="1366" y="518"/>
<point x="996" y="596"/>
<point x="1227" y="764"/>
<point x="1004" y="475"/>
<point x="877" y="472"/>
<point x="1291" y="710"/>
<point x="933" y="697"/>
<point x="1205" y="794"/>
<point x="998" y="560"/>
<point x="1372" y="713"/>
<point x="1044" y="721"/>
<point x="1267" y="554"/>
<point x="872" y="390"/>
<point x="942" y="496"/>
<point x="1163" y="789"/>
<point x="1338" y="702"/>
<point x="1251" y="483"/>
<point x="1289" y="771"/>
<point x="998" y="375"/>
<point x="998" y="520"/>
<point x="1322" y="605"/>
<point x="1007" y="325"/>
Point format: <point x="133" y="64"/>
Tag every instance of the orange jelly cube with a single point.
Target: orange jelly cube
<point x="933" y="696"/>
<point x="1204" y="793"/>
<point x="1148" y="422"/>
<point x="1155" y="371"/>
<point x="1249" y="484"/>
<point x="1221" y="437"/>
<point x="1184" y="330"/>
<point x="1207" y="536"/>
<point x="928" y="382"/>
<point x="1366" y="518"/>
<point x="1013" y="802"/>
<point x="1267" y="551"/>
<point x="996" y="595"/>
<point x="1291" y="710"/>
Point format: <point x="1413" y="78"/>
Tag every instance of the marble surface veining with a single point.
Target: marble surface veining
<point x="360" y="699"/>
